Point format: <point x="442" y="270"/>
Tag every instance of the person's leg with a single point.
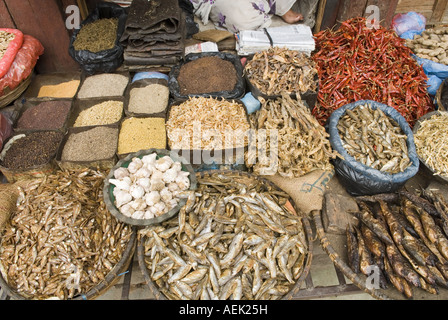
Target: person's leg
<point x="283" y="8"/>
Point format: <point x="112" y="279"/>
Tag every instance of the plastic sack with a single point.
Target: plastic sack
<point x="407" y="25"/>
<point x="360" y="179"/>
<point x="24" y="62"/>
<point x="5" y="129"/>
<point x="106" y="60"/>
<point x="11" y="51"/>
<point x="433" y="83"/>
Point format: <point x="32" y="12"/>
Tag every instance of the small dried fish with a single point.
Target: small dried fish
<point x="245" y="259"/>
<point x="374" y="139"/>
<point x="279" y="70"/>
<point x="62" y="237"/>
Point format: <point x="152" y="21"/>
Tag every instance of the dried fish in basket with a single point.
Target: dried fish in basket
<point x="295" y="143"/>
<point x="278" y="70"/>
<point x="238" y="237"/>
<point x="377" y="146"/>
<point x="430" y="137"/>
<point x="61" y="241"/>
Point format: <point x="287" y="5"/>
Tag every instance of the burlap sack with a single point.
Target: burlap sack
<point x="306" y="191"/>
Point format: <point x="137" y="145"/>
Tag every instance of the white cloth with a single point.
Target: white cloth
<point x="236" y="15"/>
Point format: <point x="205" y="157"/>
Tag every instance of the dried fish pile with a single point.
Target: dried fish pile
<point x="61" y="241"/>
<point x="374" y="139"/>
<point x="277" y="69"/>
<point x="404" y="237"/>
<point x="303" y="144"/>
<point x="234" y="238"/>
<point x="215" y="123"/>
<point x="431" y="143"/>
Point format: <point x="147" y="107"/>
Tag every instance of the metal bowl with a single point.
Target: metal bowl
<point x="108" y="188"/>
<point x="425" y="166"/>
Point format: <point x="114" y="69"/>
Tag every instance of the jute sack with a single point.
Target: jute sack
<point x="306" y="191"/>
<point x="9" y="192"/>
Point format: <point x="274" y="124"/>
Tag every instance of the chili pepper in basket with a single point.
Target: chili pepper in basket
<point x="356" y="62"/>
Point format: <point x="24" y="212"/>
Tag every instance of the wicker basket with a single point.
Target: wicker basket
<point x="306" y="225"/>
<point x="12" y="95"/>
<point x="335" y="245"/>
<point x="110" y="280"/>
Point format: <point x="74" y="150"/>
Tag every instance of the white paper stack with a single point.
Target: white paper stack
<point x="294" y="37"/>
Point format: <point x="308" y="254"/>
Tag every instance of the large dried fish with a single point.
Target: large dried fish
<point x="61" y="241"/>
<point x="247" y="245"/>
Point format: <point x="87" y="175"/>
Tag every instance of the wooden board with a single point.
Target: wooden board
<point x="43" y="20"/>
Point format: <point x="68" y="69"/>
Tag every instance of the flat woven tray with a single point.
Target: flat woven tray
<point x="12" y="95"/>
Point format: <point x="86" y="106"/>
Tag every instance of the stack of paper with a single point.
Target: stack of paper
<point x="294" y="37"/>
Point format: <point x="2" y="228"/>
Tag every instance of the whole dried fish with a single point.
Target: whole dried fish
<point x="279" y="70"/>
<point x="373" y="139"/>
<point x="62" y="237"/>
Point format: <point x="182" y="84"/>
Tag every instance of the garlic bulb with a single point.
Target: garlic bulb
<point x="127" y="210"/>
<point x="149" y="215"/>
<point x="152" y="198"/>
<point x="138" y="215"/>
<point x="173" y="186"/>
<point x="183" y="182"/>
<point x="145" y="183"/>
<point x="143" y="172"/>
<point x="164" y="163"/>
<point x="160" y="207"/>
<point x="121" y="184"/>
<point x="136" y="191"/>
<point x="122" y="197"/>
<point x="157" y="175"/>
<point x="166" y="195"/>
<point x="135" y="164"/>
<point x="120" y="173"/>
<point x="149" y="160"/>
<point x="170" y="175"/>
<point x="138" y="204"/>
<point x="157" y="185"/>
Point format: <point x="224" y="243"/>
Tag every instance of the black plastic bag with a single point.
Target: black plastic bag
<point x="106" y="60"/>
<point x="236" y="93"/>
<point x="359" y="179"/>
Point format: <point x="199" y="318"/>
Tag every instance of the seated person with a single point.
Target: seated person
<point x="236" y="15"/>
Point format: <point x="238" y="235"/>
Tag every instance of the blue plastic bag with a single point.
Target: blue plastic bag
<point x="407" y="25"/>
<point x="436" y="73"/>
<point x="149" y="75"/>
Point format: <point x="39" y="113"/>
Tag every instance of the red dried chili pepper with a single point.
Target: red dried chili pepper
<point x="355" y="62"/>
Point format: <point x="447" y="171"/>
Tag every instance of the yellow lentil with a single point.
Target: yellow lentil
<point x="140" y="134"/>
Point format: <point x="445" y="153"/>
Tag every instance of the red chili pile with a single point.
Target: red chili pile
<point x="357" y="62"/>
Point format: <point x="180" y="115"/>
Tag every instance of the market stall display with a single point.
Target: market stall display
<point x="48" y="214"/>
<point x="356" y="62"/>
<point x="103" y="85"/>
<point x="243" y="247"/>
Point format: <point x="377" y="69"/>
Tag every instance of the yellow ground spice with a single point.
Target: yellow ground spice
<point x="140" y="134"/>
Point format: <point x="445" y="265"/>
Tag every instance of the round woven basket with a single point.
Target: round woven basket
<point x="12" y="95"/>
<point x="110" y="280"/>
<point x="305" y="221"/>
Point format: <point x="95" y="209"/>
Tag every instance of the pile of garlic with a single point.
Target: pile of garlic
<point x="149" y="187"/>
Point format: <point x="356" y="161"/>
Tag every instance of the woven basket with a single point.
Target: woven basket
<point x="12" y="95"/>
<point x="335" y="246"/>
<point x="110" y="280"/>
<point x="306" y="225"/>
